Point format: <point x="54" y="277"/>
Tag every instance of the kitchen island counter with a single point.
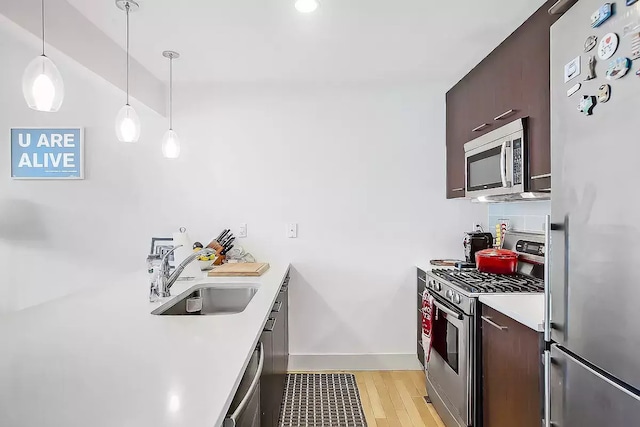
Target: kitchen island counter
<point x="100" y="358"/>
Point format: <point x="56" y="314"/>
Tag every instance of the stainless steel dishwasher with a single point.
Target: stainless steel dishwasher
<point x="245" y="407"/>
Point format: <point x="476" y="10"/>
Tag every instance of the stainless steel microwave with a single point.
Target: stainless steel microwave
<point x="496" y="162"/>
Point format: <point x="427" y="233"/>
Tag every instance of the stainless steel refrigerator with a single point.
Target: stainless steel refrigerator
<point x="592" y="366"/>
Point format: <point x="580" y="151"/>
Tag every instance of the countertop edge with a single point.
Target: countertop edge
<point x="526" y="309"/>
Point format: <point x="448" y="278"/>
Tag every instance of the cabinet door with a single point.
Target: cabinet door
<point x="535" y="42"/>
<point x="481" y="99"/>
<point x="284" y="292"/>
<point x="457" y="121"/>
<point x="507" y="62"/>
<point x="511" y="358"/>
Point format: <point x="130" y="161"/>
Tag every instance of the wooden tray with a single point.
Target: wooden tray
<point x="247" y="269"/>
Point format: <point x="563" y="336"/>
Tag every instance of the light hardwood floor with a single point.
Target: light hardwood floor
<point x="395" y="398"/>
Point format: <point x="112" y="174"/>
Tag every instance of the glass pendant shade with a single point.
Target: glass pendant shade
<point x="171" y="145"/>
<point x="42" y="85"/>
<point x="306" y="6"/>
<point x="127" y="124"/>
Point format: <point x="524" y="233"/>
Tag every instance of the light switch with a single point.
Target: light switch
<point x="292" y="230"/>
<point x="242" y="230"/>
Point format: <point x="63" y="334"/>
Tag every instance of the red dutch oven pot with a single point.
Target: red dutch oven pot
<point x="497" y="261"/>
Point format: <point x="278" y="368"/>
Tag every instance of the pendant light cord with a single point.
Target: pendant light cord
<point x="127" y="10"/>
<point x="42" y="10"/>
<point x="171" y="93"/>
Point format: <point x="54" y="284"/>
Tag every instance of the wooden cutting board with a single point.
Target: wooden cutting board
<point x="247" y="269"/>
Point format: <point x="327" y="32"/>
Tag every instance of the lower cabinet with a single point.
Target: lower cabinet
<point x="511" y="372"/>
<point x="275" y="340"/>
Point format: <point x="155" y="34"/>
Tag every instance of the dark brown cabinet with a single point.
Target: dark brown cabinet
<point x="275" y="341"/>
<point x="510" y="83"/>
<point x="511" y="372"/>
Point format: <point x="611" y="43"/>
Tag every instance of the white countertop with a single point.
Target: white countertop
<point x="99" y="358"/>
<point x="527" y="309"/>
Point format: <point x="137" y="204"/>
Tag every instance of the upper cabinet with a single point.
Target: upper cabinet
<point x="510" y="83"/>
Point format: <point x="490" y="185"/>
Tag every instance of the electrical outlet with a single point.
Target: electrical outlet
<point x="292" y="230"/>
<point x="477" y="226"/>
<point x="242" y="230"/>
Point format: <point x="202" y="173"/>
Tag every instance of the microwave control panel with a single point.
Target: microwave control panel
<point x="517" y="161"/>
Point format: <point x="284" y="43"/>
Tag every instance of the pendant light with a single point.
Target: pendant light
<point x="170" y="140"/>
<point x="306" y="6"/>
<point x="127" y="121"/>
<point x="42" y="84"/>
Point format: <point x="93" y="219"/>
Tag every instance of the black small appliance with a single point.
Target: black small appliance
<point x="476" y="241"/>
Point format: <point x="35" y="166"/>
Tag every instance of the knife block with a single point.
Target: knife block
<point x="218" y="248"/>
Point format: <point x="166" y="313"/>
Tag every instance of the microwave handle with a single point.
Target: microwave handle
<point x="503" y="164"/>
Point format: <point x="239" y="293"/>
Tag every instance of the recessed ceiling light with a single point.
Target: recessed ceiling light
<point x="306" y="6"/>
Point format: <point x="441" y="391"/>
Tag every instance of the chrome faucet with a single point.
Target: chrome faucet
<point x="167" y="280"/>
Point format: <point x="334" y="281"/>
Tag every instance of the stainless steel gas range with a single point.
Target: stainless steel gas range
<point x="452" y="382"/>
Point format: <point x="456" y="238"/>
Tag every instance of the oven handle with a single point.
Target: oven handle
<point x="503" y="164"/>
<point x="447" y="310"/>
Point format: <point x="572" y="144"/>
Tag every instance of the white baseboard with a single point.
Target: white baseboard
<point x="353" y="362"/>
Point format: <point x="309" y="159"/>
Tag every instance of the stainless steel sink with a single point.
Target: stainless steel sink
<point x="209" y="300"/>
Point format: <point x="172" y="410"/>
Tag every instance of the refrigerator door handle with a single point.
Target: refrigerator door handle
<point x="547" y="389"/>
<point x="547" y="276"/>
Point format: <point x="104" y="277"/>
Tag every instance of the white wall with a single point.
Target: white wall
<point x="359" y="168"/>
<point x="56" y="236"/>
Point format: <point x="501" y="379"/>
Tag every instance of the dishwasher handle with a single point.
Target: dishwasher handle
<point x="232" y="420"/>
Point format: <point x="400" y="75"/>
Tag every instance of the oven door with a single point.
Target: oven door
<point x="449" y="369"/>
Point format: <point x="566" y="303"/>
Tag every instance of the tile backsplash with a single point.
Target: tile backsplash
<point x="522" y="216"/>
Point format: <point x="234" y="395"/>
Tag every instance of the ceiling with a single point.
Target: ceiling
<point x="343" y="41"/>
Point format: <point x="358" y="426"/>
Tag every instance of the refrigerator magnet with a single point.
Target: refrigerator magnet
<point x="586" y="104"/>
<point x="591" y="68"/>
<point x="608" y="46"/>
<point x="618" y="68"/>
<point x="604" y="93"/>
<point x="574" y="89"/>
<point x="572" y="69"/>
<point x="601" y="15"/>
<point x="590" y="43"/>
<point x="635" y="46"/>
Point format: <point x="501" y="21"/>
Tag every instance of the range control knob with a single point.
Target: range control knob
<point x="449" y="294"/>
<point x="437" y="286"/>
<point x="430" y="284"/>
<point x="457" y="299"/>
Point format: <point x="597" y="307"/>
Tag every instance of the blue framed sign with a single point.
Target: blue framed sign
<point x="47" y="153"/>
